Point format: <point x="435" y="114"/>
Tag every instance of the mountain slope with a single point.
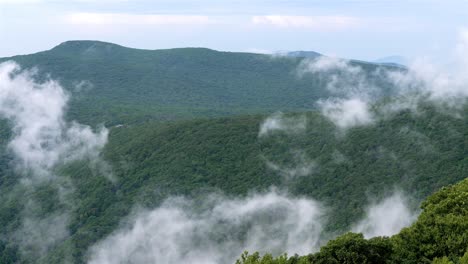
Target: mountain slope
<point x="415" y="153"/>
<point x="113" y="84"/>
<point x="438" y="236"/>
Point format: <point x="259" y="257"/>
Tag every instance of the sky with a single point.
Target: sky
<point x="357" y="29"/>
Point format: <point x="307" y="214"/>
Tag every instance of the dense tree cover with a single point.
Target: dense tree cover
<point x="439" y="236"/>
<point x="112" y="84"/>
<point x="418" y="153"/>
<point x="151" y="159"/>
<point x="441" y="229"/>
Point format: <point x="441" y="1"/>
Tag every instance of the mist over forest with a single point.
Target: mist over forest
<point x="110" y="154"/>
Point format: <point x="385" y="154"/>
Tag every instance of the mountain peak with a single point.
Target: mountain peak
<point x="86" y="46"/>
<point x="300" y="54"/>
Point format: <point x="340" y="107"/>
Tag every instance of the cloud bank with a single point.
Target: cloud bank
<point x="219" y="229"/>
<point x="354" y="92"/>
<point x="351" y="88"/>
<point x="218" y="232"/>
<point x="346" y="113"/>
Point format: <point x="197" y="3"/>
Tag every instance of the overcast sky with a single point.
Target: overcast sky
<point x="360" y="29"/>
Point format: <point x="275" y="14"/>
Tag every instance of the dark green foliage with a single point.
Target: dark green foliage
<point x="354" y="249"/>
<point x="439" y="236"/>
<point x="8" y="254"/>
<point x="349" y="248"/>
<point x="418" y="153"/>
<point x="441" y="229"/>
<point x="255" y="258"/>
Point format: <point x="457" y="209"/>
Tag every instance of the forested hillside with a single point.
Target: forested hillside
<point x="112" y="84"/>
<point x="415" y="153"/>
<point x="439" y="236"/>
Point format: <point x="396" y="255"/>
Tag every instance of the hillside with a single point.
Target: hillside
<point x="415" y="153"/>
<point x="112" y="84"/>
<point x="438" y="236"/>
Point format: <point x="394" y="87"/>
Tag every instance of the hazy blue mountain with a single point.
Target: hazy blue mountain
<point x="392" y="60"/>
<point x="300" y="54"/>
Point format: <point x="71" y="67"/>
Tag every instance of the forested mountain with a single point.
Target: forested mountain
<point x="194" y="123"/>
<point x="112" y="84"/>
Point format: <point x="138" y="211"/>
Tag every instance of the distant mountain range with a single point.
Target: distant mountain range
<point x="393" y="60"/>
<point x="397" y="61"/>
<point x="300" y="54"/>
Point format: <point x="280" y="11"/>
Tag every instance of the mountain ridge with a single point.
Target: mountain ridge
<point x="174" y="83"/>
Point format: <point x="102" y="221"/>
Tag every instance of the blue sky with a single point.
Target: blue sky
<point x="360" y="29"/>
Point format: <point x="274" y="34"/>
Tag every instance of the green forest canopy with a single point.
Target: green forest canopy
<point x="439" y="236"/>
<point x="186" y="122"/>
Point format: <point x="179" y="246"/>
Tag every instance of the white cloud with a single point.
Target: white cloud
<point x="342" y="78"/>
<point x="445" y="86"/>
<point x="135" y="19"/>
<point x="176" y="233"/>
<point x="350" y="87"/>
<point x="440" y="84"/>
<point x="36" y="236"/>
<point x="387" y="217"/>
<point x="42" y="138"/>
<point x="354" y="91"/>
<point x="280" y="123"/>
<point x="319" y="23"/>
<point x="346" y="113"/>
<point x="327" y="64"/>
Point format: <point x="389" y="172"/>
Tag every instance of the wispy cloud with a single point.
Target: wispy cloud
<point x="41" y="140"/>
<point x="42" y="137"/>
<point x="136" y="19"/>
<point x="320" y="23"/>
<point x="279" y="122"/>
<point x="387" y="217"/>
<point x="346" y="113"/>
<point x="177" y="233"/>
